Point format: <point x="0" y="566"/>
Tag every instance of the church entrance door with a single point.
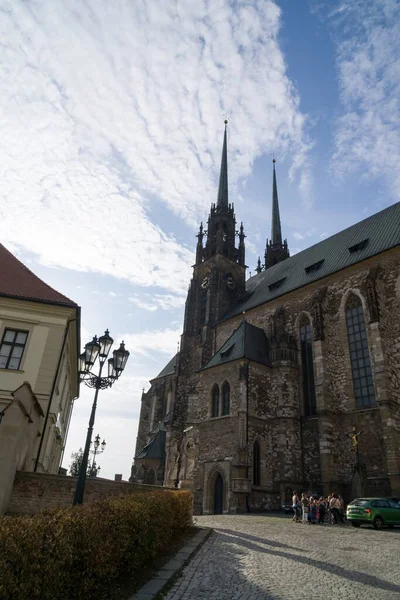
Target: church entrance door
<point x="218" y="495"/>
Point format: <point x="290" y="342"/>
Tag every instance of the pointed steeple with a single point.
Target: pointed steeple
<point x="222" y="202"/>
<point x="276" y="232"/>
<point x="276" y="250"/>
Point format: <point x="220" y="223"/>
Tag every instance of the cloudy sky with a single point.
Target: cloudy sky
<point x="111" y="124"/>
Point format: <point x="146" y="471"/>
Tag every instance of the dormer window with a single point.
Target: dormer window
<point x="314" y="267"/>
<point x="227" y="351"/>
<point x="276" y="284"/>
<point x="359" y="246"/>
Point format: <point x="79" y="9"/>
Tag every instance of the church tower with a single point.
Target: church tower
<point x="275" y="250"/>
<point x="219" y="272"/>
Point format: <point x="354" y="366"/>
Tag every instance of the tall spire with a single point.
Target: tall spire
<point x="222" y="202"/>
<point x="276" y="232"/>
<point x="276" y="250"/>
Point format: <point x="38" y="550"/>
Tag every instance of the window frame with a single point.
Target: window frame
<point x="307" y="368"/>
<point x="203" y="306"/>
<point x="13" y="344"/>
<point x="359" y="355"/>
<point x="215" y="401"/>
<point x="256" y="463"/>
<point x="226" y="399"/>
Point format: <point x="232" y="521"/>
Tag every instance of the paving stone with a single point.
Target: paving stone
<point x="259" y="557"/>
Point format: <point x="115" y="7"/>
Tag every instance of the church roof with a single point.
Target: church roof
<point x="363" y="240"/>
<point x="17" y="281"/>
<point x="155" y="448"/>
<point x="169" y="368"/>
<point x="247" y="341"/>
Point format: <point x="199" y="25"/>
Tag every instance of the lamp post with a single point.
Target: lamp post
<point x="97" y="349"/>
<point x="94" y="470"/>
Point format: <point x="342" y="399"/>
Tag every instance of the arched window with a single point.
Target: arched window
<point x="215" y="401"/>
<point x="226" y="398"/>
<point x="307" y="367"/>
<point x="364" y="393"/>
<point x="256" y="464"/>
<point x="203" y="305"/>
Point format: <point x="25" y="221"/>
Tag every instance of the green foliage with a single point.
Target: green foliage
<point x="73" y="553"/>
<point x="76" y="464"/>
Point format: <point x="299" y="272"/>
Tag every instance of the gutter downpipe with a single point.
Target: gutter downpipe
<point x="52" y="392"/>
<point x="67" y="429"/>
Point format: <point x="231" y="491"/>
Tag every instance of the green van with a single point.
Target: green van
<point x="374" y="511"/>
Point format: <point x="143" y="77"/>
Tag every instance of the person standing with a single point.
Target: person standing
<point x="304" y="507"/>
<point x="334" y="505"/>
<point x="312" y="511"/>
<point x="342" y="512"/>
<point x="321" y="511"/>
<point x="295" y="506"/>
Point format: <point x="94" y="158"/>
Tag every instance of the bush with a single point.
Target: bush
<point x="73" y="553"/>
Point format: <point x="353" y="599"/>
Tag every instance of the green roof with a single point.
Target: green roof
<point x="155" y="448"/>
<point x="169" y="368"/>
<point x="363" y="240"/>
<point x="247" y="341"/>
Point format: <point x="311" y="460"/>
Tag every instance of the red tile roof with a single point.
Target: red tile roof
<point x="17" y="281"/>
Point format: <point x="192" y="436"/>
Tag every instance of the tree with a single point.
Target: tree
<point x="76" y="463"/>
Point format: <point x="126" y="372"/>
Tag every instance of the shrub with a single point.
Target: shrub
<point x="73" y="553"/>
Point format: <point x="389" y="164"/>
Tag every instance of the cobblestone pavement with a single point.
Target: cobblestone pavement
<point x="259" y="557"/>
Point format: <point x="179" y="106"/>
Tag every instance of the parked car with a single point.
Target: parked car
<point x="286" y="507"/>
<point x="374" y="511"/>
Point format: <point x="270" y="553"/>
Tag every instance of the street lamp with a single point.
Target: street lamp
<point x="94" y="470"/>
<point x="97" y="349"/>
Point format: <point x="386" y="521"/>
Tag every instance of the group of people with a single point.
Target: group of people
<point x="307" y="509"/>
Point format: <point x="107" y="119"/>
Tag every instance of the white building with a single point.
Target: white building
<point x="39" y="347"/>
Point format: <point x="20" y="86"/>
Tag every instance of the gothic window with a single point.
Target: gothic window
<point x="203" y="305"/>
<point x="364" y="393"/>
<point x="307" y="366"/>
<point x="215" y="401"/>
<point x="226" y="398"/>
<point x="256" y="464"/>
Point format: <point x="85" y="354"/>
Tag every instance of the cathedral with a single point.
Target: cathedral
<point x="287" y="380"/>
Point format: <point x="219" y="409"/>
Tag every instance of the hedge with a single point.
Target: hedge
<point x="73" y="553"/>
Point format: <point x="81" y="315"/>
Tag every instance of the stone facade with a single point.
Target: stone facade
<point x="269" y="441"/>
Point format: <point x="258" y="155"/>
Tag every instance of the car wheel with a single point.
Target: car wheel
<point x="378" y="523"/>
<point x="355" y="524"/>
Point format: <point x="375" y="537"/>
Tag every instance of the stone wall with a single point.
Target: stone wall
<point x="33" y="492"/>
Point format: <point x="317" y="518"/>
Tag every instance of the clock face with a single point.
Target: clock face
<point x="205" y="283"/>
<point x="230" y="282"/>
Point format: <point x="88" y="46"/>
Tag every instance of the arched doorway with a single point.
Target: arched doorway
<point x="150" y="477"/>
<point x="218" y="495"/>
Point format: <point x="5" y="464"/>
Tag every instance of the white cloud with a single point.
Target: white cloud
<point x="147" y="343"/>
<point x="298" y="236"/>
<point x="367" y="138"/>
<point x="110" y="105"/>
<point x="153" y="302"/>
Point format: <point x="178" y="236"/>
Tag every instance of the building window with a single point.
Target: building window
<point x="215" y="401"/>
<point x="307" y="366"/>
<point x="364" y="393"/>
<point x="12" y="348"/>
<point x="203" y="305"/>
<point x="256" y="464"/>
<point x="226" y="398"/>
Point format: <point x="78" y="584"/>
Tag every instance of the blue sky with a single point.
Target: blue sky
<point x="111" y="124"/>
